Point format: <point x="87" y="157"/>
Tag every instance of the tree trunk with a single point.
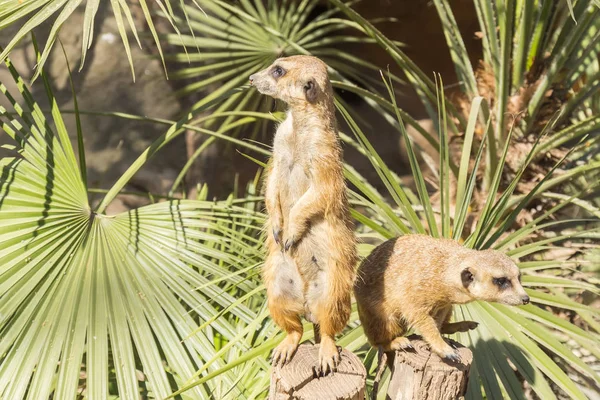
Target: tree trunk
<point x="421" y="375"/>
<point x="298" y="380"/>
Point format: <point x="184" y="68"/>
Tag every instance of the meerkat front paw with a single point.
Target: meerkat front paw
<point x="454" y="357"/>
<point x="288" y="243"/>
<point x="277" y="227"/>
<point x="291" y="237"/>
<point x="329" y="356"/>
<point x="448" y="353"/>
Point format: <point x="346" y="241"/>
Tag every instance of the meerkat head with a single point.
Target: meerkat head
<point x="297" y="80"/>
<point x="490" y="275"/>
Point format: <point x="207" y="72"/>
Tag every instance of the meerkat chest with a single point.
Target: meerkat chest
<point x="292" y="157"/>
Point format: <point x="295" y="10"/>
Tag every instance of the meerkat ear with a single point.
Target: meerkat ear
<point x="466" y="276"/>
<point x="310" y="90"/>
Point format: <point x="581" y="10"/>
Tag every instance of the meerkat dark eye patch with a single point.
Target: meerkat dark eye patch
<point x="466" y="276"/>
<point x="310" y="90"/>
<point x="502" y="283"/>
<point x="277" y="72"/>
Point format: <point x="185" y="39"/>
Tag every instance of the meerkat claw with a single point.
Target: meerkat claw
<point x="288" y="243"/>
<point x="275" y="358"/>
<point x="454" y="357"/>
<point x="278" y="360"/>
<point x="334" y="362"/>
<point x="277" y="235"/>
<point x="328" y="366"/>
<point x="331" y="366"/>
<point x="284" y="352"/>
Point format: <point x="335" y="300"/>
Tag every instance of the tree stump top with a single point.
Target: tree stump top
<point x="298" y="379"/>
<point x="421" y="374"/>
<point x="422" y="357"/>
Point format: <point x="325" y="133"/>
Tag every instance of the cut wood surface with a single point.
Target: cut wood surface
<point x="420" y="374"/>
<point x="298" y="379"/>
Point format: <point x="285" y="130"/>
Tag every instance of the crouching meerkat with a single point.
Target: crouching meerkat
<point x="414" y="280"/>
<point x="311" y="250"/>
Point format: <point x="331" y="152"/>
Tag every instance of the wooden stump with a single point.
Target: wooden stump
<point x="298" y="379"/>
<point x="420" y="374"/>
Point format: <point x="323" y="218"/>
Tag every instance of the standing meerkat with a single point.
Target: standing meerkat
<point x="414" y="280"/>
<point x="310" y="265"/>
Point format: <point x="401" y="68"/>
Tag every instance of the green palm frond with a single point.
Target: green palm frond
<point x="531" y="338"/>
<point x="98" y="306"/>
<point x="30" y="14"/>
<point x="232" y="42"/>
<point x="539" y="65"/>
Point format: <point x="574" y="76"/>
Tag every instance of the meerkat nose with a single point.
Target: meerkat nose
<point x="526" y="300"/>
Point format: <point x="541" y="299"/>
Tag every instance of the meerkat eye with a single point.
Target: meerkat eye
<point x="278" y="72"/>
<point x="502" y="283"/>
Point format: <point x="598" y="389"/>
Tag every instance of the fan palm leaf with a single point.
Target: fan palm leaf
<point x="233" y="42"/>
<point x="101" y="305"/>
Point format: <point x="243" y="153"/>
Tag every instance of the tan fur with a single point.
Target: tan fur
<point x="310" y="265"/>
<point x="414" y="280"/>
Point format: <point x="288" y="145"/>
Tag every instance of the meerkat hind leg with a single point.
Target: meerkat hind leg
<point x="285" y="350"/>
<point x="286" y="305"/>
<point x="400" y="343"/>
<point x="385" y="332"/>
<point x="291" y="323"/>
<point x="331" y="319"/>
<point x="329" y="355"/>
<point x="325" y="309"/>
<point x="462" y="326"/>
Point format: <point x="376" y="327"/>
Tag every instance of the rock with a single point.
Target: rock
<point x="106" y="84"/>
